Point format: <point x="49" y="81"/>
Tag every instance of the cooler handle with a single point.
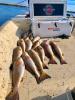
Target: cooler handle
<point x="38" y="25"/>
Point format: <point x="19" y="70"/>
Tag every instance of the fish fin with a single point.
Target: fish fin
<point x="43" y="76"/>
<point x="63" y="61"/>
<point x="45" y="66"/>
<point x="15" y="96"/>
<point x="52" y="62"/>
<point x="62" y="54"/>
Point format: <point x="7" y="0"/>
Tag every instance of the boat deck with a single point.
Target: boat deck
<point x="63" y="76"/>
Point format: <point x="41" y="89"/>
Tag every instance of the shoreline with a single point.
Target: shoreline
<point x="16" y="5"/>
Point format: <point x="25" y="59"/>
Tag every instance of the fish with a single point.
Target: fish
<point x="35" y="39"/>
<point x="17" y="52"/>
<point x="41" y="54"/>
<point x="23" y="35"/>
<point x="30" y="35"/>
<point x="36" y="44"/>
<point x="28" y="43"/>
<point x="30" y="63"/>
<point x="21" y="43"/>
<point x="34" y="55"/>
<point x="48" y="52"/>
<point x="17" y="76"/>
<point x="58" y="52"/>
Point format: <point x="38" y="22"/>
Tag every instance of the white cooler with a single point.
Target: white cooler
<point x="46" y="28"/>
<point x="49" y="18"/>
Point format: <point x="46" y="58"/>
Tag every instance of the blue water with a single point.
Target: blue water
<point x="8" y="12"/>
<point x="71" y="5"/>
<point x="11" y="1"/>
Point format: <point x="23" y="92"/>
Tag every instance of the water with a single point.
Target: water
<point x="8" y="12"/>
<point x="71" y="5"/>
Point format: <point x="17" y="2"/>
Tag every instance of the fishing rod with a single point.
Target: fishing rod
<point x="20" y="2"/>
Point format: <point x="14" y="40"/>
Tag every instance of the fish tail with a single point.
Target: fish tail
<point x="14" y="96"/>
<point x="62" y="61"/>
<point x="45" y="66"/>
<point x="52" y="61"/>
<point x="43" y="76"/>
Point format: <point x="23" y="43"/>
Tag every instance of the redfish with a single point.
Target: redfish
<point x="17" y="75"/>
<point x="28" y="43"/>
<point x="41" y="53"/>
<point x="21" y="43"/>
<point x="35" y="39"/>
<point x="58" y="52"/>
<point x="17" y="52"/>
<point x="48" y="52"/>
<point x="34" y="55"/>
<point x="29" y="62"/>
<point x="36" y="44"/>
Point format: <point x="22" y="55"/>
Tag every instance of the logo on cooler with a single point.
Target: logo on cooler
<point x="48" y="10"/>
<point x="54" y="29"/>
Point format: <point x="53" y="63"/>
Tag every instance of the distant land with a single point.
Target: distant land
<point x="17" y="5"/>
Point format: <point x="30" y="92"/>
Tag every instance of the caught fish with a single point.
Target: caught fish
<point x="34" y="55"/>
<point x="36" y="44"/>
<point x="29" y="62"/>
<point x="21" y="43"/>
<point x="30" y="35"/>
<point x="41" y="53"/>
<point x="28" y="43"/>
<point x="17" y="75"/>
<point x="35" y="39"/>
<point x="17" y="52"/>
<point x="48" y="52"/>
<point x="23" y="35"/>
<point x="58" y="52"/>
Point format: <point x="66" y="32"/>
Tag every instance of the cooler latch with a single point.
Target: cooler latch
<point x="55" y="24"/>
<point x="70" y="24"/>
<point x="38" y="25"/>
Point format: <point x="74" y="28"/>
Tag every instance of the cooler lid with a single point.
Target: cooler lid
<point x="48" y="9"/>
